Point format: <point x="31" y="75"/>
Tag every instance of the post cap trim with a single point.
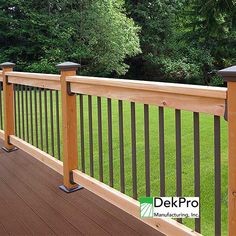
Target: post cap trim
<point x="7" y="65"/>
<point x="229" y="74"/>
<point x="68" y="66"/>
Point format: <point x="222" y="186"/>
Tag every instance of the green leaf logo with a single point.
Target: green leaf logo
<point x="146" y="207"/>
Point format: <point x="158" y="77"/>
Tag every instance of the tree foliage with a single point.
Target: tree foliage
<point x="184" y="41"/>
<point x="171" y="40"/>
<point x="157" y="19"/>
<point x="39" y="34"/>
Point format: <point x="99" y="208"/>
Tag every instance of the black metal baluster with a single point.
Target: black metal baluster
<point x="18" y="101"/>
<point x="109" y="114"/>
<point x="217" y="145"/>
<point x="23" y="111"/>
<point x="197" y="164"/>
<point x="178" y="155"/>
<point x="82" y="132"/>
<point x="41" y="118"/>
<point x="90" y="116"/>
<point x="52" y="123"/>
<point x="15" y="113"/>
<point x="99" y="107"/>
<point x="27" y="113"/>
<point x="162" y="151"/>
<point x="121" y="139"/>
<point x="134" y="150"/>
<point x="58" y="127"/>
<point x="46" y="118"/>
<point x="147" y="149"/>
<point x="36" y="117"/>
<point x="31" y="116"/>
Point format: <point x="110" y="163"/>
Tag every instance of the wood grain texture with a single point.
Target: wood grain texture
<point x="49" y="81"/>
<point x="69" y="130"/>
<point x="38" y="207"/>
<point x="232" y="158"/>
<point x="38" y="154"/>
<point x="1" y="78"/>
<point x="204" y="99"/>
<point x="2" y="134"/>
<point x="82" y="204"/>
<point x="47" y="84"/>
<point x="8" y="99"/>
<point x="38" y="76"/>
<point x="185" y="89"/>
<point x="107" y="193"/>
<point x="166" y="226"/>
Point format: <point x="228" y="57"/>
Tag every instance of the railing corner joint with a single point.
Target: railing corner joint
<point x="68" y="87"/>
<point x="226" y="110"/>
<point x="7" y="81"/>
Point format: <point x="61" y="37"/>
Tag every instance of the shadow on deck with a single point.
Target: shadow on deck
<point x="32" y="204"/>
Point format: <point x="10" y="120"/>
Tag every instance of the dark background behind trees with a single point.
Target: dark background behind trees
<point x="162" y="40"/>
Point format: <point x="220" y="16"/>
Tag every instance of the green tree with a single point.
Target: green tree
<point x="213" y="26"/>
<point x="158" y="20"/>
<point x="210" y="26"/>
<point x="183" y="41"/>
<point x="39" y="34"/>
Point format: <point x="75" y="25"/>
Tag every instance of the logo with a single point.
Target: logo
<point x="146" y="207"/>
<point x="169" y="207"/>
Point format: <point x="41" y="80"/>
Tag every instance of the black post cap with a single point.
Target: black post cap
<point x="229" y="74"/>
<point x="7" y="65"/>
<point x="68" y="66"/>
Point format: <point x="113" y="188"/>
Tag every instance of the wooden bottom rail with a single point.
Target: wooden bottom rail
<point x="131" y="206"/>
<point x="120" y="200"/>
<point x="38" y="154"/>
<point x="2" y="134"/>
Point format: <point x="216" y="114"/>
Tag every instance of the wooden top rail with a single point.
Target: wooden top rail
<point x="194" y="98"/>
<point x="49" y="81"/>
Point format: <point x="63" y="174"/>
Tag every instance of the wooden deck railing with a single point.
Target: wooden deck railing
<point x="35" y="103"/>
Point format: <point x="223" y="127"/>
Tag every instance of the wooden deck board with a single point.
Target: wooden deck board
<point x="82" y="204"/>
<point x="79" y="220"/>
<point x="3" y="231"/>
<point x="31" y="203"/>
<point x="9" y="218"/>
<point x="22" y="209"/>
<point x="57" y="222"/>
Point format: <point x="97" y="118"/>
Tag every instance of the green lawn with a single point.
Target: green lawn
<point x="207" y="154"/>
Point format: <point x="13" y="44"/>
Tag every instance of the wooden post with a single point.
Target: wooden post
<point x="8" y="95"/>
<point x="69" y="127"/>
<point x="229" y="75"/>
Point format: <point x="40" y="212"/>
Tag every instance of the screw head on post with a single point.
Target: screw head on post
<point x="65" y="66"/>
<point x="229" y="74"/>
<point x="7" y="65"/>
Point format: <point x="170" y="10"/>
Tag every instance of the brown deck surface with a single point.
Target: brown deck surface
<point x="32" y="204"/>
